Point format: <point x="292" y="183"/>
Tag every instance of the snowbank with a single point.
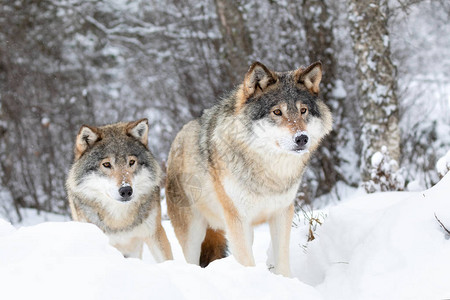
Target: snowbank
<point x="381" y="246"/>
<point x="74" y="261"/>
<point x="378" y="246"/>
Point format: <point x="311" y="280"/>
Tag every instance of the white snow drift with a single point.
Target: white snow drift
<point x="379" y="246"/>
<point x="382" y="246"/>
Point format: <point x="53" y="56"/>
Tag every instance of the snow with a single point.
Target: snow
<point x="339" y="91"/>
<point x="45" y="121"/>
<point x="378" y="246"/>
<point x="376" y="159"/>
<point x="443" y="164"/>
<point x="33" y="217"/>
<point x="414" y="186"/>
<point x="74" y="261"/>
<point x="382" y="246"/>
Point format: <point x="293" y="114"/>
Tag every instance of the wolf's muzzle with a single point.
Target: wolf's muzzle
<point x="125" y="192"/>
<point x="301" y="141"/>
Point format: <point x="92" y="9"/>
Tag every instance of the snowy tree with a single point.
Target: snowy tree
<point x="377" y="79"/>
<point x="443" y="164"/>
<point x="40" y="89"/>
<point x="65" y="63"/>
<point x="237" y="41"/>
<point x="318" y="20"/>
<point x="385" y="174"/>
<point x="419" y="35"/>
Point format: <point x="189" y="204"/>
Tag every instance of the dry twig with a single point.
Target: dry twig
<point x="442" y="225"/>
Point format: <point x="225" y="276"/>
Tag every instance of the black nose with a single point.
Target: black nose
<point x="301" y="140"/>
<point x="125" y="192"/>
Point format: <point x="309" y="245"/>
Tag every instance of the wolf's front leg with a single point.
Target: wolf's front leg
<point x="159" y="245"/>
<point x="133" y="249"/>
<point x="280" y="231"/>
<point x="240" y="237"/>
<point x="191" y="242"/>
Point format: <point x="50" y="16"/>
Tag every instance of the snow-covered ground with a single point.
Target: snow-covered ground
<point x="378" y="246"/>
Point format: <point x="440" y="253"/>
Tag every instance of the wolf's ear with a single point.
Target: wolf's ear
<point x="310" y="77"/>
<point x="86" y="137"/>
<point x="257" y="79"/>
<point x="139" y="130"/>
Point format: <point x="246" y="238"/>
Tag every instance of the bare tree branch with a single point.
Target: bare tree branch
<point x="442" y="225"/>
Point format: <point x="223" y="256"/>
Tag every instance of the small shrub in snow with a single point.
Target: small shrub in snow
<point x="385" y="174"/>
<point x="310" y="218"/>
<point x="443" y="164"/>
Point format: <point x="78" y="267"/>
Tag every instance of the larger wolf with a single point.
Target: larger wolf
<point x="114" y="184"/>
<point x="240" y="164"/>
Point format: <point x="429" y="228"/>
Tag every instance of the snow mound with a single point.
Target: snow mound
<point x="378" y="246"/>
<point x="74" y="261"/>
<point x="381" y="246"/>
<point x="5" y="227"/>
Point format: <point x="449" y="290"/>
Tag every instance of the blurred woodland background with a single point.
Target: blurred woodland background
<point x="67" y="63"/>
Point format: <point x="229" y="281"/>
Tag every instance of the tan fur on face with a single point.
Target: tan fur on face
<point x="121" y="170"/>
<point x="88" y="135"/>
<point x="294" y="123"/>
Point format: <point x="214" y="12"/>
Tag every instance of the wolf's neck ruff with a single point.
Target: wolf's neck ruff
<point x="116" y="222"/>
<point x="260" y="168"/>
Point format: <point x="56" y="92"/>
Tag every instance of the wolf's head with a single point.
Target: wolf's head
<point x="113" y="161"/>
<point x="284" y="107"/>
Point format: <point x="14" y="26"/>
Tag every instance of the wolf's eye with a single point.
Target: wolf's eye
<point x="132" y="162"/>
<point x="303" y="111"/>
<point x="277" y="112"/>
<point x="107" y="165"/>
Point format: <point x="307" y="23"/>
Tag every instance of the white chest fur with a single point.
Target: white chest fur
<point x="254" y="206"/>
<point x="142" y="231"/>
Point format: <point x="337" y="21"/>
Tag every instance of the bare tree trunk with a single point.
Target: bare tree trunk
<point x="318" y="22"/>
<point x="237" y="41"/>
<point x="377" y="79"/>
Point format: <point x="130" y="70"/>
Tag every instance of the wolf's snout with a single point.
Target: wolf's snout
<point x="125" y="192"/>
<point x="301" y="140"/>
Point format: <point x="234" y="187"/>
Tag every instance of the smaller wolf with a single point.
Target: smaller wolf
<point x="114" y="184"/>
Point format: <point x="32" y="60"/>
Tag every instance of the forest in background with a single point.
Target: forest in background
<point x="67" y="63"/>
